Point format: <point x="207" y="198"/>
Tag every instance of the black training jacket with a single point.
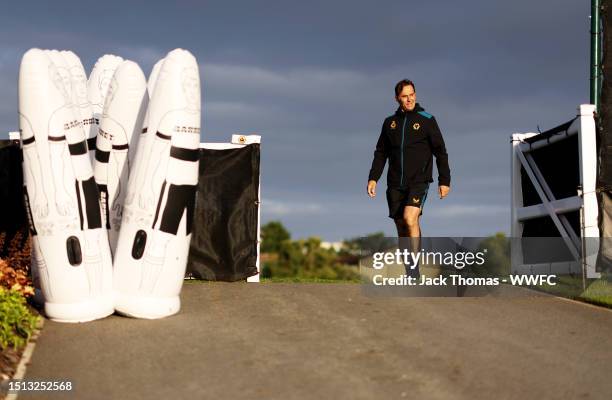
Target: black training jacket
<point x="408" y="140"/>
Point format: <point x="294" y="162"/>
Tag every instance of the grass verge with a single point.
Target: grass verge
<point x="598" y="291"/>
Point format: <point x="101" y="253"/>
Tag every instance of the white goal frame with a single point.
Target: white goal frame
<point x="584" y="201"/>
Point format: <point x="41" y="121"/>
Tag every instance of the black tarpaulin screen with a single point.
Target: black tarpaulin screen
<point x="224" y="240"/>
<point x="13" y="219"/>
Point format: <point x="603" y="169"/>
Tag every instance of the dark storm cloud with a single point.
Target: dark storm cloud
<point x="315" y="80"/>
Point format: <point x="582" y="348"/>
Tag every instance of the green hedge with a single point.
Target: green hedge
<point x="17" y="322"/>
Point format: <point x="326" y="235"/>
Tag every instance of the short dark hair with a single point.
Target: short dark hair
<point x="402" y="84"/>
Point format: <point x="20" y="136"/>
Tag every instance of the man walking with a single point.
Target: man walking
<point x="408" y="139"/>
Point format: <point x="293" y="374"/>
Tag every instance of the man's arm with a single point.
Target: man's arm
<point x="380" y="157"/>
<point x="438" y="149"/>
<point x="378" y="164"/>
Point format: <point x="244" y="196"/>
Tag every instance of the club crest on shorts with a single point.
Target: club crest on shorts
<point x="416" y="126"/>
<point x="393" y="125"/>
<point x="416" y="200"/>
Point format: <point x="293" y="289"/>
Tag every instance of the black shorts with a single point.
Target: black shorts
<point x="413" y="195"/>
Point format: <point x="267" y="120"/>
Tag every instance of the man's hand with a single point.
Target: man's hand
<point x="372" y="188"/>
<point x="443" y="191"/>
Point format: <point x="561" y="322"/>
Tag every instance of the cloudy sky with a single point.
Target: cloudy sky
<point x="315" y="79"/>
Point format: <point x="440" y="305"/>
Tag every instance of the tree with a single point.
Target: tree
<point x="305" y="258"/>
<point x="497" y="259"/>
<point x="273" y="235"/>
<point x="604" y="133"/>
<point x="369" y="244"/>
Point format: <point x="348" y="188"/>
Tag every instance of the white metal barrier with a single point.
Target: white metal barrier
<point x="585" y="201"/>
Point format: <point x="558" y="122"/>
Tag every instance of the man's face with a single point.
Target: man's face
<point x="407" y="98"/>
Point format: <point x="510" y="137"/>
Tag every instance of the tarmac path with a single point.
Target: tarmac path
<point x="330" y="341"/>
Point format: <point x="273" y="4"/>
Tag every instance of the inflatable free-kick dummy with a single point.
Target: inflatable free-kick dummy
<point x="120" y="124"/>
<point x="151" y="255"/>
<point x="123" y="109"/>
<point x="78" y="79"/>
<point x="97" y="89"/>
<point x="143" y="133"/>
<point x="70" y="245"/>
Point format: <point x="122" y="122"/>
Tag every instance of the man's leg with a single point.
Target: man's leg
<point x="411" y="221"/>
<point x="402" y="240"/>
<point x="402" y="228"/>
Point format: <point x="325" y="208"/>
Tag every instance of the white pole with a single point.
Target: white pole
<point x="587" y="150"/>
